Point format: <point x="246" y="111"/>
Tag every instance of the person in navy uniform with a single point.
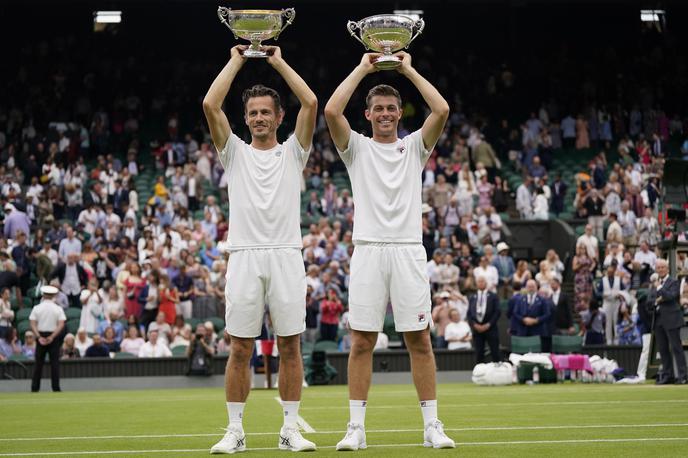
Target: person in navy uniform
<point x="482" y="316"/>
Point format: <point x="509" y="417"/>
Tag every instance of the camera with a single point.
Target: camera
<point x="199" y="336"/>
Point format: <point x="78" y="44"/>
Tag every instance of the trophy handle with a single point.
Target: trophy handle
<point x="351" y="26"/>
<point x="289" y="14"/>
<point x="223" y="13"/>
<point x="419" y="26"/>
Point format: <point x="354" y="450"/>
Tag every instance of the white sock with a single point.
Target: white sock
<point x="235" y="412"/>
<point x="291" y="412"/>
<point x="429" y="410"/>
<point x="357" y="410"/>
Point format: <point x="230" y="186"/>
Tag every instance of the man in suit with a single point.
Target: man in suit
<point x="558" y="195"/>
<point x="531" y="313"/>
<point x="562" y="322"/>
<point x="667" y="327"/>
<point x="482" y="316"/>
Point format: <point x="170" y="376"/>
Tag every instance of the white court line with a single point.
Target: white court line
<point x="193" y="450"/>
<point x="370" y="431"/>
<point x="299" y="419"/>
<point x="507" y="404"/>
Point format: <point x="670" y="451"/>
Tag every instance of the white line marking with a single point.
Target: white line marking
<point x="370" y="431"/>
<point x="508" y="404"/>
<point x="303" y="424"/>
<point x="193" y="450"/>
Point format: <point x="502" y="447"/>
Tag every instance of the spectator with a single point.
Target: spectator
<point x="15" y="221"/>
<point x="9" y="344"/>
<point x="164" y="335"/>
<point x="562" y="322"/>
<point x="154" y="348"/>
<point x="484" y="269"/>
<point x="110" y="341"/>
<point x="524" y="199"/>
<point x="521" y="275"/>
<point x="626" y="328"/>
<point x="614" y="230"/>
<point x="92" y="310"/>
<point x="330" y="310"/>
<point x="72" y="277"/>
<point x="457" y="333"/>
<point x="583" y="267"/>
<point x="133" y="342"/>
<point x="590" y="242"/>
<point x="69" y="350"/>
<point x="168" y="299"/>
<point x="184" y="285"/>
<point x="83" y="341"/>
<point x="133" y="285"/>
<point x="6" y="313"/>
<point x="98" y="349"/>
<point x="593" y="324"/>
<point x="559" y="188"/>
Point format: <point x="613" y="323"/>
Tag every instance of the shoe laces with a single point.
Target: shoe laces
<point x="229" y="431"/>
<point x="351" y="429"/>
<point x="437" y="426"/>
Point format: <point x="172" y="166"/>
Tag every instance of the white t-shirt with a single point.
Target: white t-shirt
<point x="158" y="350"/>
<point x="264" y="193"/>
<point x="460" y="329"/>
<point x="386" y="182"/>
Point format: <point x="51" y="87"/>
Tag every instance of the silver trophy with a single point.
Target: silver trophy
<point x="386" y="34"/>
<point x="256" y="25"/>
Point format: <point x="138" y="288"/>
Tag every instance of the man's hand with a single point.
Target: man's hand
<point x="529" y="321"/>
<point x="237" y="53"/>
<point x="274" y="55"/>
<point x="367" y="62"/>
<point x="405" y="66"/>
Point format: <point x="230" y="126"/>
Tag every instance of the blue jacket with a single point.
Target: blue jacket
<point x="539" y="309"/>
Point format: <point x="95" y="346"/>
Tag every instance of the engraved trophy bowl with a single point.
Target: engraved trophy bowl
<point x="256" y="25"/>
<point x="386" y="34"/>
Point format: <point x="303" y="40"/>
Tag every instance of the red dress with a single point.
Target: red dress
<point x="168" y="306"/>
<point x="132" y="289"/>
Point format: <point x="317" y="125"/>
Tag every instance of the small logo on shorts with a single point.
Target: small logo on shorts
<point x="421" y="317"/>
<point x="401" y="149"/>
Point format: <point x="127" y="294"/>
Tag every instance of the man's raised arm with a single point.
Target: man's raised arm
<point x="212" y="103"/>
<point x="439" y="108"/>
<point x="334" y="110"/>
<point x="305" y="120"/>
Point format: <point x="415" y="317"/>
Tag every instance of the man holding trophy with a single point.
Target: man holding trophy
<point x="389" y="261"/>
<point x="264" y="238"/>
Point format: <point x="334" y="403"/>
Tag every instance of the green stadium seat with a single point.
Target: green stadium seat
<point x="179" y="350"/>
<point x="72" y="313"/>
<point x="326" y="346"/>
<point x="522" y="345"/>
<point x="193" y="322"/>
<point x="19" y="357"/>
<point x="124" y="355"/>
<point x="307" y="348"/>
<point x="73" y="325"/>
<point x="567" y="344"/>
<point x="27" y="302"/>
<point x="22" y="314"/>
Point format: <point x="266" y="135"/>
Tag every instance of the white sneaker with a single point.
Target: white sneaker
<point x="355" y="438"/>
<point x="434" y="436"/>
<point x="233" y="441"/>
<point x="291" y="439"/>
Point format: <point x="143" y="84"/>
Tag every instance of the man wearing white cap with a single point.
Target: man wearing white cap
<point x="47" y="321"/>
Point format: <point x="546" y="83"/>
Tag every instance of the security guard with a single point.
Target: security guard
<point x="47" y="321"/>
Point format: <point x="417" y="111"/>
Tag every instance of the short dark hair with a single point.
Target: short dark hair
<point x="382" y="90"/>
<point x="262" y="91"/>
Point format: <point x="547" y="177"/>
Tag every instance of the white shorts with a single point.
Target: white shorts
<point x="275" y="277"/>
<point x="382" y="272"/>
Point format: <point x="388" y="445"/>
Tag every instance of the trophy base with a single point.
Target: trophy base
<point x="387" y="62"/>
<point x="255" y="53"/>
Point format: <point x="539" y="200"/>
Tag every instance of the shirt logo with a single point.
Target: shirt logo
<point x="401" y="149"/>
<point x="421" y="317"/>
<point x="278" y="153"/>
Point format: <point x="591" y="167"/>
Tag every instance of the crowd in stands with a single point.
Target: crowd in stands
<point x="132" y="231"/>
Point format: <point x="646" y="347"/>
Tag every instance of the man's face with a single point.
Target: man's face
<point x="662" y="269"/>
<point x="384" y="114"/>
<point x="261" y="117"/>
<point x="531" y="287"/>
<point x="481" y="283"/>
